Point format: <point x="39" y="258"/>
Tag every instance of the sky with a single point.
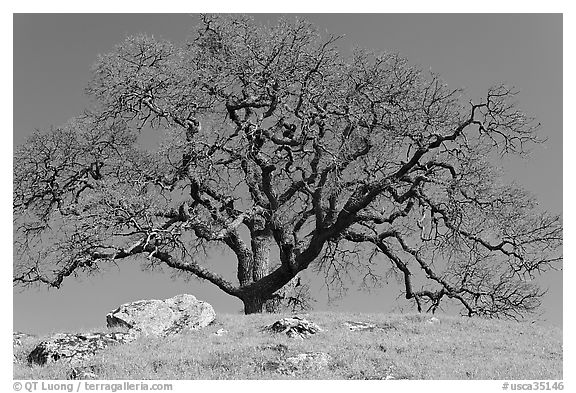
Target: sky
<point x="53" y="54"/>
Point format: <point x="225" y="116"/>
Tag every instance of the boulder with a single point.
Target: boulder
<point x="75" y="348"/>
<point x="294" y="327"/>
<point x="162" y="317"/>
<point x="433" y="321"/>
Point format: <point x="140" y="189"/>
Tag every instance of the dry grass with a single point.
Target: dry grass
<point x="407" y="348"/>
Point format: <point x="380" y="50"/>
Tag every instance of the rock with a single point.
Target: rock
<point x="75" y="348"/>
<point x="294" y="327"/>
<point x="303" y="362"/>
<point x="220" y="332"/>
<point x="360" y="326"/>
<point x="162" y="317"/>
<point x="309" y="361"/>
<point x="433" y="321"/>
<point x="354" y="326"/>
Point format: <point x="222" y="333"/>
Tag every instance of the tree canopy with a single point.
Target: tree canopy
<point x="286" y="153"/>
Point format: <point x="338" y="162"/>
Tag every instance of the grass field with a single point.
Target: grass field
<point x="407" y="348"/>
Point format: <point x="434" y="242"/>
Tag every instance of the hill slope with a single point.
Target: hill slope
<point x="406" y="347"/>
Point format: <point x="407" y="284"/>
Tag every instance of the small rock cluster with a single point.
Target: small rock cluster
<point x="294" y="327"/>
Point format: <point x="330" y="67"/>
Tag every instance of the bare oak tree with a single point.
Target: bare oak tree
<point x="279" y="149"/>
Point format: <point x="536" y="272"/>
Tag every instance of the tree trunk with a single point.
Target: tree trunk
<point x="253" y="304"/>
<point x="261" y="240"/>
<point x="258" y="292"/>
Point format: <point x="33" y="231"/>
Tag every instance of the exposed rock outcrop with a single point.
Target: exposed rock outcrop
<point x="308" y="361"/>
<point x="301" y="363"/>
<point x="162" y="317"/>
<point x="75" y="348"/>
<point x="294" y="327"/>
<point x="355" y="326"/>
<point x="365" y="326"/>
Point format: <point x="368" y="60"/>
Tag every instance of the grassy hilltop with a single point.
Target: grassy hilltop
<point x="408" y="347"/>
